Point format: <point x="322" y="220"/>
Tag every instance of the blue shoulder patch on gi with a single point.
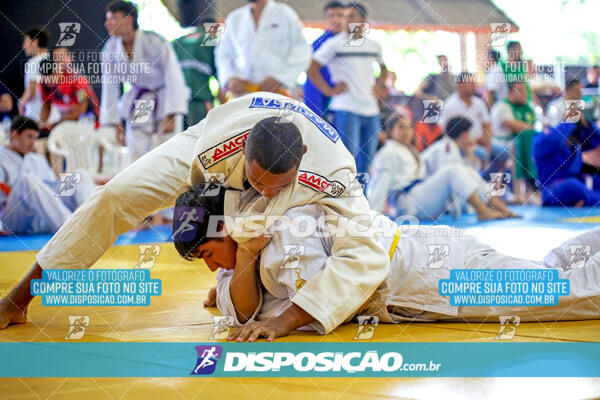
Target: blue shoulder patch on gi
<point x="324" y="127"/>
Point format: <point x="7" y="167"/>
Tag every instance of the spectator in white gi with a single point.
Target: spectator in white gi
<point x="263" y="49"/>
<point x="147" y="61"/>
<point x="351" y="56"/>
<point x="400" y="184"/>
<point x="30" y="194"/>
<point x="464" y="103"/>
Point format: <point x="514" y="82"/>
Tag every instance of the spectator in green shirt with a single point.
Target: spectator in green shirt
<point x="195" y="52"/>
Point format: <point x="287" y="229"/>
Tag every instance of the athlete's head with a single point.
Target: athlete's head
<point x="458" y="129"/>
<point x="466" y="84"/>
<point x="573" y="89"/>
<point x="356" y="13"/>
<point x="273" y="151"/>
<point x="517" y="92"/>
<point x="514" y="51"/>
<point x="400" y="129"/>
<point x="23" y="134"/>
<point x="34" y="40"/>
<point x="334" y="16"/>
<point x="121" y="18"/>
<point x="199" y="228"/>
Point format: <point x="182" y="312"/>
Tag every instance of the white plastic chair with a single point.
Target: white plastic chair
<point x="79" y="143"/>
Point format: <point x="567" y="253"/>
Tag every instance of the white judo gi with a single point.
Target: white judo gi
<point x="357" y="265"/>
<point x="28" y="194"/>
<point x="410" y="291"/>
<point x="154" y="75"/>
<point x="275" y="48"/>
<point x="421" y="184"/>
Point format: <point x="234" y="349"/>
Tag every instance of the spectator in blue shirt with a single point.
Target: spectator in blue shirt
<point x="314" y="99"/>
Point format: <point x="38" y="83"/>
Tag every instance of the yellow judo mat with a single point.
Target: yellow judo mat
<point x="177" y="315"/>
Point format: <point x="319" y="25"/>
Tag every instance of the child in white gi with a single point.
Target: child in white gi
<point x="29" y="202"/>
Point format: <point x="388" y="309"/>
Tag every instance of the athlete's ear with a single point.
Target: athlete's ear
<point x="305" y="149"/>
<point x="244" y="147"/>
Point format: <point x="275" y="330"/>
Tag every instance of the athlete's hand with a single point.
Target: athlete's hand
<point x="167" y="125"/>
<point x="120" y="134"/>
<point x="269" y="85"/>
<point x="269" y="329"/>
<point x="211" y="299"/>
<point x="238" y="86"/>
<point x="253" y="246"/>
<point x="337" y="89"/>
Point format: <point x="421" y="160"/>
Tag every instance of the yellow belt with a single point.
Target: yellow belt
<point x="395" y="243"/>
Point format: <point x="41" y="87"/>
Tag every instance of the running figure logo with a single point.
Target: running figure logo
<point x="573" y="111"/>
<point x="187" y="220"/>
<point x="498" y="184"/>
<point x="292" y="260"/>
<point x="148" y="255"/>
<point x="437" y="255"/>
<point x="215" y="180"/>
<point x="508" y="326"/>
<point x="142" y="111"/>
<point x="207" y="359"/>
<point x="498" y="34"/>
<point x="580" y="253"/>
<point x="68" y="33"/>
<point x="358" y="183"/>
<point x="431" y="111"/>
<point x="68" y="183"/>
<point x="77" y="326"/>
<point x="357" y="35"/>
<point x="366" y="326"/>
<point x="213" y="33"/>
<point x="221" y="325"/>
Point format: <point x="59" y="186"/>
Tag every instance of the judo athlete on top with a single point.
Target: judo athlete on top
<point x="147" y="61"/>
<point x="266" y="141"/>
<point x="29" y="202"/>
<point x="255" y="294"/>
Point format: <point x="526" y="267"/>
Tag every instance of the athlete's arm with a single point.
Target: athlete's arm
<point x="244" y="288"/>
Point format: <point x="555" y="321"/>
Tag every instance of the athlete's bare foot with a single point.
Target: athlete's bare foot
<point x="489" y="214"/>
<point x="11" y="314"/>
<point x="510" y="214"/>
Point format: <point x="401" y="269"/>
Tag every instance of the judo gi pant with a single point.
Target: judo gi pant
<point x="359" y="134"/>
<point x="33" y="205"/>
<point x="582" y="302"/>
<point x="428" y="200"/>
<point x="151" y="183"/>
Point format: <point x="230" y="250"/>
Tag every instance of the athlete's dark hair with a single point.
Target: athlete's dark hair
<point x="275" y="145"/>
<point x="360" y="8"/>
<point x="39" y="34"/>
<point x="572" y="82"/>
<point x="511" y="84"/>
<point x="512" y="44"/>
<point x="20" y="123"/>
<point x="127" y="8"/>
<point x="202" y="202"/>
<point x="457" y="126"/>
<point x="333" y="4"/>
